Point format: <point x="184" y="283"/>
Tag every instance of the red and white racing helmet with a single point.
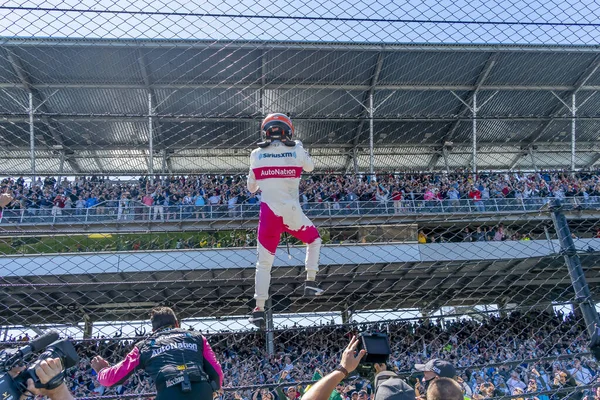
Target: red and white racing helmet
<point x="277" y="126"/>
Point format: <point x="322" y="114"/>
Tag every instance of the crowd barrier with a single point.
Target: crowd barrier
<point x="136" y="211"/>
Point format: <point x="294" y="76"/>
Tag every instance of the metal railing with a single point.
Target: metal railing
<point x="134" y="211"/>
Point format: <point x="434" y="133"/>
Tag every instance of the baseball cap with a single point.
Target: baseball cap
<point x="439" y="367"/>
<point x="389" y="386"/>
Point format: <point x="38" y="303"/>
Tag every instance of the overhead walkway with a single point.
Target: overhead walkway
<point x="219" y="282"/>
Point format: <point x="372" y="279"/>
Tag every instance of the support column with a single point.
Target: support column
<point x="346" y="315"/>
<point x="371" y="133"/>
<point x="88" y="327"/>
<point x="61" y="167"/>
<point x="502" y="309"/>
<point x="445" y="155"/>
<point x="573" y="129"/>
<point x="164" y="162"/>
<point x="150" y="140"/>
<point x="474" y="109"/>
<point x="31" y="138"/>
<point x="535" y="168"/>
<point x="270" y="326"/>
<point x="583" y="296"/>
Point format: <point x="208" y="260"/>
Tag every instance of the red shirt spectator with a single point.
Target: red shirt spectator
<point x="475" y="194"/>
<point x="59" y="201"/>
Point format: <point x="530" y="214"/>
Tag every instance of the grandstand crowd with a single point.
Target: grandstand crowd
<point x="161" y="197"/>
<point x="488" y="354"/>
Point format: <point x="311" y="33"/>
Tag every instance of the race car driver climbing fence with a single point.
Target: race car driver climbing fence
<point x="275" y="168"/>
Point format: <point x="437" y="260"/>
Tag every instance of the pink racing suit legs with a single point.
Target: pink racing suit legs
<point x="270" y="228"/>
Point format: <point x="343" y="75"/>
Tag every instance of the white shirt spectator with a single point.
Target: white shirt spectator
<point x="582" y="375"/>
<point x="515" y="383"/>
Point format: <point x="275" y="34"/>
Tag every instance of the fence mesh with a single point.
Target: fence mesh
<point x="441" y="134"/>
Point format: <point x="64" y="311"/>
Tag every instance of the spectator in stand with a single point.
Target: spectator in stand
<point x="453" y="196"/>
<point x="467" y="235"/>
<point x="396" y="198"/>
<point x="158" y="204"/>
<point x="188" y="204"/>
<point x="58" y="204"/>
<point x="500" y="235"/>
<point x="79" y="206"/>
<point x="148" y="202"/>
<point x="91" y="201"/>
<point x="213" y="201"/>
<point x="514" y="382"/>
<point x="581" y="374"/>
<point x="199" y="202"/>
<point x="479" y="235"/>
<point x="475" y="195"/>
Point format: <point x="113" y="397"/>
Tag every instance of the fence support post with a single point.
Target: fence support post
<point x="583" y="296"/>
<point x="270" y="326"/>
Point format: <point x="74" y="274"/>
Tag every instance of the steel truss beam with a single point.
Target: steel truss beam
<point x="325" y="148"/>
<point x="365" y="111"/>
<point x="237" y="86"/>
<point x="579" y="86"/>
<point x="487" y="68"/>
<point x="57" y="136"/>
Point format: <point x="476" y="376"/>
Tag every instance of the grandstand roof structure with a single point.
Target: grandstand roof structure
<point x="92" y="101"/>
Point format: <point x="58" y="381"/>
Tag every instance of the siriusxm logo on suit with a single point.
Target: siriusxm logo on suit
<point x="277" y="155"/>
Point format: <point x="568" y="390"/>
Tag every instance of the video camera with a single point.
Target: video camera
<point x="378" y="350"/>
<point x="12" y="388"/>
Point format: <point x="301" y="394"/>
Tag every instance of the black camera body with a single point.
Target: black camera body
<point x="12" y="388"/>
<point x="377" y="346"/>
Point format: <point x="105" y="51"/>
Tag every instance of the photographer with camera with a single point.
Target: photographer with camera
<point x="180" y="362"/>
<point x="46" y="371"/>
<point x="43" y="376"/>
<point x="388" y="385"/>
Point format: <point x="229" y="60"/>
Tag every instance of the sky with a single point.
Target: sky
<point x="381" y="21"/>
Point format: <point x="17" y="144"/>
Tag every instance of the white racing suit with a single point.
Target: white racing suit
<point x="276" y="170"/>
